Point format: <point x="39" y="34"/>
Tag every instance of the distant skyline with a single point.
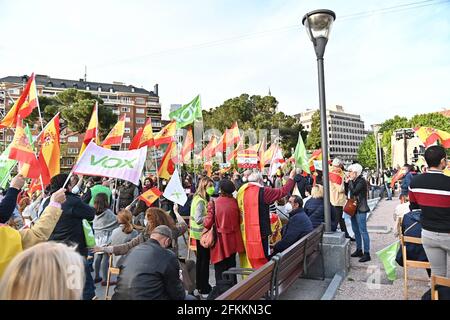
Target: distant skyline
<point x="378" y="63"/>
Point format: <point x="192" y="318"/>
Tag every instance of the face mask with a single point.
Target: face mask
<point x="265" y="180"/>
<point x="210" y="191"/>
<point x="244" y="179"/>
<point x="76" y="190"/>
<point x="288" y="207"/>
<point x="164" y="183"/>
<point x="145" y="222"/>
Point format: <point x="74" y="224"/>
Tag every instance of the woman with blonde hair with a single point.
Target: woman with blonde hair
<point x="46" y="271"/>
<point x="314" y="208"/>
<point x="198" y="214"/>
<point x="125" y="232"/>
<point x="154" y="217"/>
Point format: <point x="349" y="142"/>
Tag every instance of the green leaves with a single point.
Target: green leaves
<point x="314" y="142"/>
<point x="367" y="152"/>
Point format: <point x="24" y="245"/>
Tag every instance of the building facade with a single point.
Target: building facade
<point x="346" y="131"/>
<point x="137" y="104"/>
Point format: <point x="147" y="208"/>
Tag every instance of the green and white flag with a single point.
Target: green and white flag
<point x="300" y="156"/>
<point x="187" y="113"/>
<point x="6" y="165"/>
<point x="30" y="137"/>
<point x="387" y="256"/>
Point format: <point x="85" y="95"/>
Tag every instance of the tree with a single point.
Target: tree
<point x="366" y="152"/>
<point x="314" y="137"/>
<point x="76" y="110"/>
<point x="255" y="112"/>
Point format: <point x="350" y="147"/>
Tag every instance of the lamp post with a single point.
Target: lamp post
<point x="318" y="25"/>
<point x="376" y="129"/>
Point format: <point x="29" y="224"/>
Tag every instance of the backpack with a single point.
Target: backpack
<point x="11" y="245"/>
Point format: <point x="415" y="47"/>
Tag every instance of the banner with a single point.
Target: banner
<point x="174" y="190"/>
<point x="98" y="161"/>
<point x="6" y="165"/>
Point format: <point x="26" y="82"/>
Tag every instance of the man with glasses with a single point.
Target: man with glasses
<point x="431" y="191"/>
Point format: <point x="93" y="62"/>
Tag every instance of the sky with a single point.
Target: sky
<point x="378" y="62"/>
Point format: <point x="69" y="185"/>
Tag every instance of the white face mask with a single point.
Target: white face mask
<point x="244" y="179"/>
<point x="164" y="183"/>
<point x="75" y="190"/>
<point x="288" y="207"/>
<point x="145" y="222"/>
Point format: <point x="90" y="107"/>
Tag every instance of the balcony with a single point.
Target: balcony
<point x="119" y="101"/>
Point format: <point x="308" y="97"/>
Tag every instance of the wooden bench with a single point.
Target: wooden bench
<point x="258" y="285"/>
<point x="277" y="275"/>
<point x="295" y="261"/>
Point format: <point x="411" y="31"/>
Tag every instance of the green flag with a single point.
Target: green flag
<point x="387" y="256"/>
<point x="187" y="113"/>
<point x="300" y="156"/>
<point x="6" y="165"/>
<point x="30" y="136"/>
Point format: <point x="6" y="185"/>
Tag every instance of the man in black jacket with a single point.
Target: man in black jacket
<point x="150" y="271"/>
<point x="8" y="203"/>
<point x="69" y="228"/>
<point x="301" y="182"/>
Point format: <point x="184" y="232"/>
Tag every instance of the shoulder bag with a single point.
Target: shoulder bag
<point x="209" y="237"/>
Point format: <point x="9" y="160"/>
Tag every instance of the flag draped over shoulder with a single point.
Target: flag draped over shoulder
<point x="150" y="196"/>
<point x="49" y="155"/>
<point x="174" y="190"/>
<point x="166" y="135"/>
<point x="23" y="106"/>
<point x="92" y="130"/>
<point x="167" y="166"/>
<point x="115" y="136"/>
<point x="300" y="156"/>
<point x="98" y="161"/>
<point x="188" y="113"/>
<point x="22" y="151"/>
<point x="188" y="146"/>
<point x="430" y="135"/>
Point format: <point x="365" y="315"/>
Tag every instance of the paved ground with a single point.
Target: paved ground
<point x="362" y="281"/>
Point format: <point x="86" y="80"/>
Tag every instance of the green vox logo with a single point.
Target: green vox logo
<point x="110" y="163"/>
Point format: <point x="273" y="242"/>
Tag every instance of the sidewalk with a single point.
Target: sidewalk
<point x="363" y="278"/>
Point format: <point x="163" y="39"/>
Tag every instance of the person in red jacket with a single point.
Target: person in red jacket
<point x="224" y="212"/>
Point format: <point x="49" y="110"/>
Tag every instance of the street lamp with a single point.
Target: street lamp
<point x="318" y="25"/>
<point x="376" y="129"/>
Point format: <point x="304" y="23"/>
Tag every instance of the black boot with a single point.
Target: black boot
<point x="365" y="258"/>
<point x="357" y="253"/>
<point x="348" y="237"/>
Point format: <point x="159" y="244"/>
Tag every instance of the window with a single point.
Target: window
<point x="125" y="109"/>
<point x="69" y="161"/>
<point x="72" y="139"/>
<point x="140" y="111"/>
<point x="127" y="130"/>
<point x="140" y="101"/>
<point x="88" y="88"/>
<point x="111" y="90"/>
<point x="73" y="151"/>
<point x="99" y="89"/>
<point x="116" y="111"/>
<point x="140" y="120"/>
<point x="132" y="89"/>
<point x="127" y="119"/>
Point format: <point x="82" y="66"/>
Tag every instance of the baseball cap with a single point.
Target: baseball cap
<point x="163" y="230"/>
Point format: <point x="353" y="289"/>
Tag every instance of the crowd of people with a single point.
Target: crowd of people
<point x="251" y="213"/>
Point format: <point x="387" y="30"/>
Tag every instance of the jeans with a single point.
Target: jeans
<point x="437" y="248"/>
<point x="372" y="191"/>
<point x="359" y="226"/>
<point x="89" y="286"/>
<point x="388" y="191"/>
<point x="101" y="265"/>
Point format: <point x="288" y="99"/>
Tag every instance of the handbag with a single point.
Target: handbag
<point x="351" y="207"/>
<point x="209" y="237"/>
<point x="88" y="234"/>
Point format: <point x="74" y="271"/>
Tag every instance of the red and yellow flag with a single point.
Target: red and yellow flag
<point x="34" y="186"/>
<point x="261" y="153"/>
<point x="150" y="196"/>
<point x="430" y="135"/>
<point x="23" y="106"/>
<point x="233" y="133"/>
<point x="336" y="175"/>
<point x="209" y="151"/>
<point x="400" y="174"/>
<point x="49" y="156"/>
<point x="92" y="130"/>
<point x="22" y="151"/>
<point x="188" y="146"/>
<point x="136" y="140"/>
<point x="232" y="155"/>
<point x="144" y="137"/>
<point x="167" y="134"/>
<point x="317" y="155"/>
<point x="115" y="136"/>
<point x="167" y="164"/>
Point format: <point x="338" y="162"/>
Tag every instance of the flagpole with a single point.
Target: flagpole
<point x="156" y="170"/>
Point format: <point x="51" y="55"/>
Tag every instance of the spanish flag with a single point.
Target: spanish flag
<point x="209" y="151"/>
<point x="144" y="137"/>
<point x="400" y="174"/>
<point x="222" y="144"/>
<point x="233" y="133"/>
<point x="430" y="135"/>
<point x="248" y="202"/>
<point x="167" y="134"/>
<point x="136" y="140"/>
<point x="22" y="151"/>
<point x="92" y="130"/>
<point x="317" y="155"/>
<point x="23" y="106"/>
<point x="34" y="186"/>
<point x="188" y="146"/>
<point x="232" y="155"/>
<point x="50" y="151"/>
<point x="167" y="164"/>
<point x="115" y="136"/>
<point x="150" y="196"/>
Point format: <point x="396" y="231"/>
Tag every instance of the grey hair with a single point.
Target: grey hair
<point x="255" y="177"/>
<point x="298" y="171"/>
<point x="356" y="167"/>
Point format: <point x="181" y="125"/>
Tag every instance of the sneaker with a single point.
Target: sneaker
<point x="351" y="239"/>
<point x="357" y="253"/>
<point x="365" y="258"/>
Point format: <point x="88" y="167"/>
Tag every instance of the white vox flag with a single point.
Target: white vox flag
<point x="174" y="190"/>
<point x="98" y="161"/>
